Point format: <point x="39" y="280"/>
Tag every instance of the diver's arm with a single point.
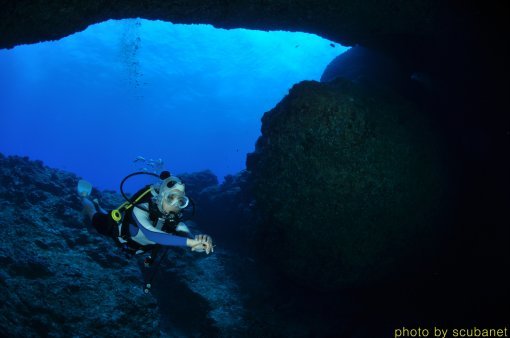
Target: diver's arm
<point x="164" y="238"/>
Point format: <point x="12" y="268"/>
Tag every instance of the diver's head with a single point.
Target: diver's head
<point x="171" y="196"/>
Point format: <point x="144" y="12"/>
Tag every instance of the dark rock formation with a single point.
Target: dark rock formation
<point x="350" y="184"/>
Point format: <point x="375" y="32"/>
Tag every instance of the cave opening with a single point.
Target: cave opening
<point x="192" y="95"/>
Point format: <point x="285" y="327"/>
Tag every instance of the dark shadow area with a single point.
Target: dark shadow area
<point x="183" y="312"/>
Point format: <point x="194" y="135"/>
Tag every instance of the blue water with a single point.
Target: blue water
<point x="192" y="95"/>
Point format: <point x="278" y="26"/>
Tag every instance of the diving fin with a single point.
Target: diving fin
<point x="84" y="188"/>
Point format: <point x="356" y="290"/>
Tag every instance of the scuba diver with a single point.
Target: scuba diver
<point x="151" y="218"/>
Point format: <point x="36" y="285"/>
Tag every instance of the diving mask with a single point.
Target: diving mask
<point x="176" y="198"/>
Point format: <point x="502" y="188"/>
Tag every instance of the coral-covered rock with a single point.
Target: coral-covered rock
<point x="351" y="186"/>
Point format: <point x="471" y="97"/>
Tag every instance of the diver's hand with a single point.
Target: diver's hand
<point x="201" y="243"/>
<point x="202" y="246"/>
<point x="203" y="238"/>
<point x="206" y="242"/>
<point x="198" y="248"/>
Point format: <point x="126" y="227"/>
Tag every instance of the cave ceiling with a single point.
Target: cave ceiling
<point x="349" y="22"/>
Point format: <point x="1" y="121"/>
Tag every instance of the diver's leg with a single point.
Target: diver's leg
<point x="98" y="207"/>
<point x="88" y="207"/>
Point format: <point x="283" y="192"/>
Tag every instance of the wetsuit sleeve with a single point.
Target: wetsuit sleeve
<point x="183" y="230"/>
<point x="152" y="234"/>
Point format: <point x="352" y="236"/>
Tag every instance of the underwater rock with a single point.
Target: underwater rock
<point x="208" y="297"/>
<point x="52" y="285"/>
<point x="32" y="268"/>
<point x="351" y="186"/>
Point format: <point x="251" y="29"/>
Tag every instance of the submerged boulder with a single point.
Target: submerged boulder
<point x="350" y="184"/>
